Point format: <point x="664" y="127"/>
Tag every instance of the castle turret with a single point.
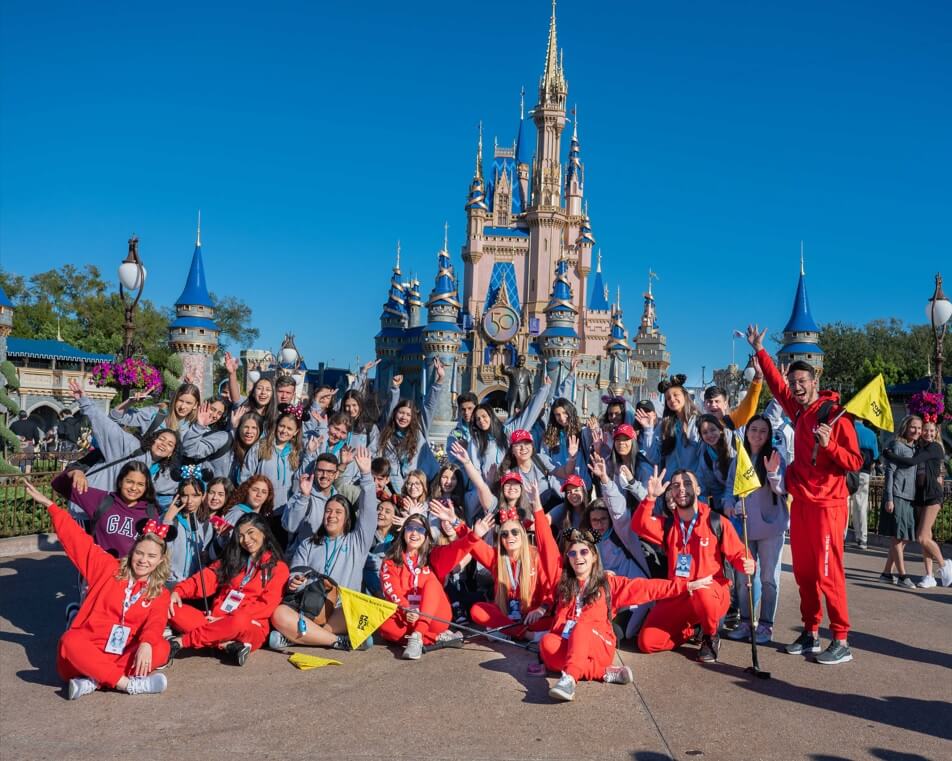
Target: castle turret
<point x="549" y="116"/>
<point x="393" y="321"/>
<point x="523" y="154"/>
<point x="442" y="336"/>
<point x="617" y="348"/>
<point x="801" y="336"/>
<point x="193" y="335"/>
<point x="574" y="175"/>
<point x="650" y="343"/>
<point x="559" y="341"/>
<point x="414" y="303"/>
<point x="599" y="299"/>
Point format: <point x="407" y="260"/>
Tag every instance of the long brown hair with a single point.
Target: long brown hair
<point x="398" y="549"/>
<point x="567" y="589"/>
<point x="162" y="572"/>
<point x="573" y="427"/>
<point x="408" y="444"/>
<point x="240" y="495"/>
<point x="173" y="421"/>
<point x="269" y="444"/>
<point x="669" y="420"/>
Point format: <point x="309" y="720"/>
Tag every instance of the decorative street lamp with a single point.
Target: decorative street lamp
<point x="938" y="313"/>
<point x="131" y="278"/>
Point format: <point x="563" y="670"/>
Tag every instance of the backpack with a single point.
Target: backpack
<point x="659" y="561"/>
<point x="616" y="540"/>
<point x="105" y="503"/>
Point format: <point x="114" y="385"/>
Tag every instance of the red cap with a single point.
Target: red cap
<point x="625" y="430"/>
<point x="512" y="475"/>
<point x="572" y="482"/>
<point x="518" y="436"/>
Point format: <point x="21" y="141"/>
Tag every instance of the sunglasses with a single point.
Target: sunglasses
<point x="415" y="528"/>
<point x="583" y="553"/>
<point x="506" y="533"/>
<point x="326" y="472"/>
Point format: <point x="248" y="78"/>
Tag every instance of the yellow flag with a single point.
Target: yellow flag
<point x="872" y="404"/>
<point x="308" y="662"/>
<point x="363" y="614"/>
<point x="745" y="476"/>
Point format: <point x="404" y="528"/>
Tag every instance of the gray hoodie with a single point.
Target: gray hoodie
<point x="524" y="421"/>
<point x="304" y="515"/>
<point x="423" y="458"/>
<point x="767" y="513"/>
<point x="343" y="558"/>
<point x="277" y="468"/>
<point x="199" y="443"/>
<point x="142" y="418"/>
<point x="187" y="546"/>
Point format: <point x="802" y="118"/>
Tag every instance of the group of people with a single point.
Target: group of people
<point x="230" y="524"/>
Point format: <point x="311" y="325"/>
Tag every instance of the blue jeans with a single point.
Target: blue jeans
<point x="768" y="554"/>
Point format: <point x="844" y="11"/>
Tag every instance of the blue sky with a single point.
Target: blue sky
<point x="715" y="136"/>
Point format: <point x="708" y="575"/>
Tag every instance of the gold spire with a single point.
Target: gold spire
<point x="479" y="152"/>
<point x="553" y="79"/>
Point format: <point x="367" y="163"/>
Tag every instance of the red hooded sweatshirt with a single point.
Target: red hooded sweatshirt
<point x="823" y="484"/>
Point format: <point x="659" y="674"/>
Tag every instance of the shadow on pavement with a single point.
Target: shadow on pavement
<point x="34" y="601"/>
<point x="928" y="717"/>
<point x="649" y="755"/>
<point x="536" y="687"/>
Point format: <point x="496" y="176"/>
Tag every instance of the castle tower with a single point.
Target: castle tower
<point x="414" y="303"/>
<point x="574" y="175"/>
<point x="801" y="336"/>
<point x="6" y="323"/>
<point x="393" y="322"/>
<point x="523" y="155"/>
<point x="477" y="216"/>
<point x="193" y="334"/>
<point x="599" y="300"/>
<point x="617" y="348"/>
<point x="651" y="345"/>
<point x="559" y="341"/>
<point x="442" y="335"/>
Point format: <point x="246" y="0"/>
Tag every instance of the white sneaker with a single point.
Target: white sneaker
<point x="927" y="582"/>
<point x="414" y="649"/>
<point x="945" y="573"/>
<point x="564" y="689"/>
<point x="80" y="686"/>
<point x="618" y="675"/>
<point x="147" y="685"/>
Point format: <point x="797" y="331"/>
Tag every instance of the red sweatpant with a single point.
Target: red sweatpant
<point x="671" y="622"/>
<point x="584" y="655"/>
<point x="199" y="632"/>
<point x="489" y="615"/>
<point x="83" y="655"/>
<point x="816" y="544"/>
<point x="434" y="601"/>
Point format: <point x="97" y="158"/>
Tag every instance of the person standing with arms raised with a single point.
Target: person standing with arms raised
<point x="825" y="449"/>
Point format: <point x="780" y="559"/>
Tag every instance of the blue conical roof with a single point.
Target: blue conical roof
<point x="396" y="303"/>
<point x="801" y="321"/>
<point x="561" y="298"/>
<point x="599" y="299"/>
<point x="444" y="288"/>
<point x="4" y="301"/>
<point x="523" y="144"/>
<point x="195" y="292"/>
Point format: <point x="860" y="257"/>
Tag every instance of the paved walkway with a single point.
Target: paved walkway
<point x="892" y="702"/>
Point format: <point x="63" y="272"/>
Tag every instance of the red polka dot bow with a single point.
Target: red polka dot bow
<point x="154" y="527"/>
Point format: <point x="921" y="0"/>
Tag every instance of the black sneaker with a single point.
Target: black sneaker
<point x="710" y="645"/>
<point x="837" y="652"/>
<point x="239" y="652"/>
<point x="807" y="642"/>
<point x="695" y="638"/>
<point x="731" y="620"/>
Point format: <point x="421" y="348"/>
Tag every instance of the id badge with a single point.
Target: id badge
<point x="682" y="566"/>
<point x="415" y="601"/>
<point x="231" y="603"/>
<point x="118" y="638"/>
<point x="515" y="610"/>
<point x="567" y="631"/>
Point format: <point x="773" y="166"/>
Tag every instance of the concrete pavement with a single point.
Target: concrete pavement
<point x="891" y="702"/>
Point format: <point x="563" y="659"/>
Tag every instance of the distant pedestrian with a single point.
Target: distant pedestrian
<point x="859" y="500"/>
<point x="897" y="519"/>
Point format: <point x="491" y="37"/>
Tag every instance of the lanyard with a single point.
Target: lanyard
<point x="513" y="578"/>
<point x="686" y="532"/>
<point x="414" y="570"/>
<point x="190" y="539"/>
<point x="330" y="558"/>
<point x="282" y="458"/>
<point x="578" y="604"/>
<point x="250" y="569"/>
<point x="129" y="600"/>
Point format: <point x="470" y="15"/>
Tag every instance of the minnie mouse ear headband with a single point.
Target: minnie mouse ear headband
<point x="508" y="514"/>
<point x="294" y="410"/>
<point x="609" y="399"/>
<point x="195" y="471"/>
<point x="573" y="482"/>
<point x="624" y="431"/>
<point x="519" y="436"/>
<point x="674" y="381"/>
<point x="151" y="527"/>
<point x="513" y="476"/>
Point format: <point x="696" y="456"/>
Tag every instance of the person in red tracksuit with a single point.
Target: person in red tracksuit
<point x="115" y="640"/>
<point x="408" y="580"/>
<point x="694" y="552"/>
<point x="582" y="643"/>
<point x="247" y="584"/>
<point x="524" y="575"/>
<point x="816" y="479"/>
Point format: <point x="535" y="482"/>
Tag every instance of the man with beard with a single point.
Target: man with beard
<point x="697" y="541"/>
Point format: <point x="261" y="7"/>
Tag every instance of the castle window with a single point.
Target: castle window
<point x="201" y="331"/>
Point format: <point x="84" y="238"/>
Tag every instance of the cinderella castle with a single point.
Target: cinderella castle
<point x="532" y="291"/>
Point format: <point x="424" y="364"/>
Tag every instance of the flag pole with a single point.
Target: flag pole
<point x="755" y="661"/>
<point x="491" y="633"/>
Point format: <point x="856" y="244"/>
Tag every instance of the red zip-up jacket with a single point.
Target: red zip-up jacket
<point x="707" y="557"/>
<point x="823" y="484"/>
<point x="259" y="601"/>
<point x="397" y="581"/>
<point x="102" y="606"/>
<point x="625" y="593"/>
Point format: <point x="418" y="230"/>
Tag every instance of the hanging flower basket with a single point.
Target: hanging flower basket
<point x="929" y="406"/>
<point x="127" y="373"/>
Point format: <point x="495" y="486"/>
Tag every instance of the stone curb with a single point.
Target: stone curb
<point x="25" y="545"/>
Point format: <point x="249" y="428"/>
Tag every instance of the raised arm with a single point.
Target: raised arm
<point x="434" y="393"/>
<point x="392" y="401"/>
<point x="485" y="494"/>
<point x="527" y="417"/>
<point x="644" y="523"/>
<point x="747" y="408"/>
<point x="234" y="388"/>
<point x="367" y="517"/>
<point x="92" y="562"/>
<point x="113" y="441"/>
<point x="775" y="381"/>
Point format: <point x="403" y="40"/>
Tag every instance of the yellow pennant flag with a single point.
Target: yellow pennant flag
<point x="745" y="476"/>
<point x="363" y="614"/>
<point x="308" y="662"/>
<point x="872" y="404"/>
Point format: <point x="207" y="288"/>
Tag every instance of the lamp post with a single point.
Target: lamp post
<point x="131" y="278"/>
<point x="938" y="313"/>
